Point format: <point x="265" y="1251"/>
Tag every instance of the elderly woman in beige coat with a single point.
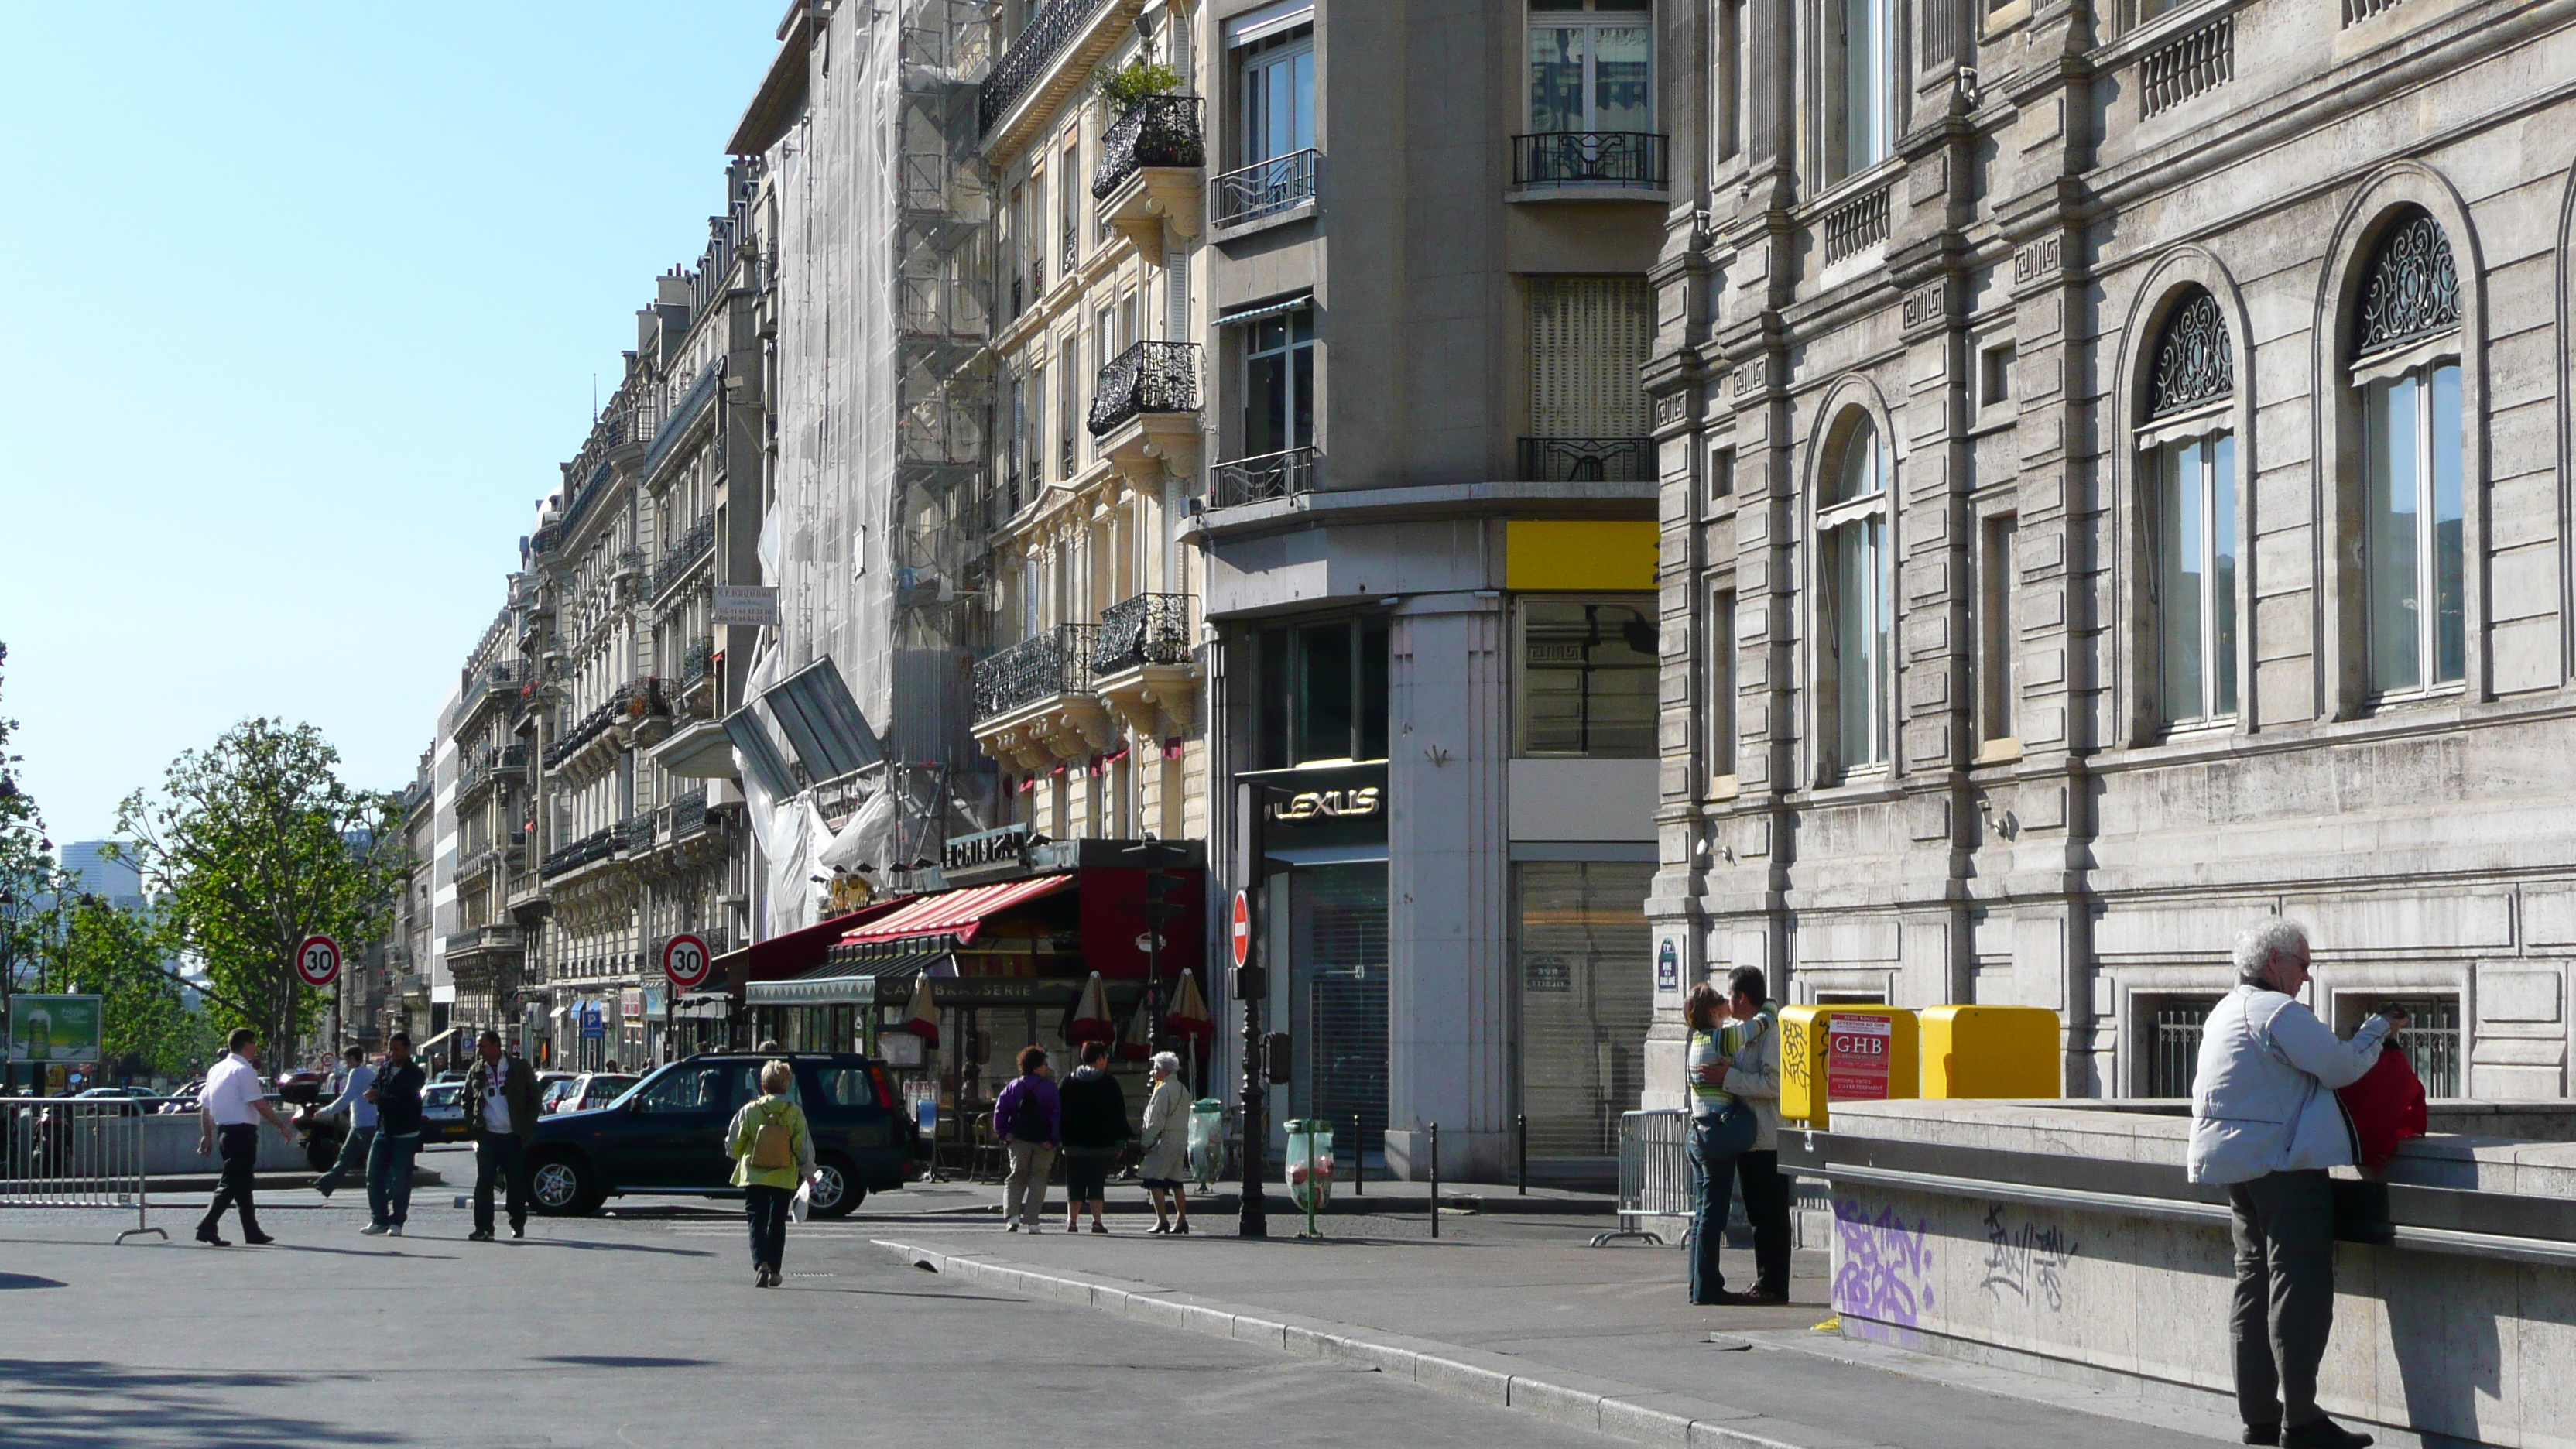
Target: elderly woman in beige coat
<point x="1166" y="1141"/>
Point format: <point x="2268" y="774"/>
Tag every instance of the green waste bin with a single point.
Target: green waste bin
<point x="1207" y="1141"/>
<point x="1310" y="1163"/>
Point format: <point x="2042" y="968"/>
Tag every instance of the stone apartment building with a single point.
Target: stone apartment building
<point x="2114" y="486"/>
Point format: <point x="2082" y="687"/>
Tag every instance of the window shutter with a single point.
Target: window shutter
<point x="1588" y="338"/>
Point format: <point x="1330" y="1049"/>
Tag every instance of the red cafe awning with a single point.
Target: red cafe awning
<point x="958" y="913"/>
<point x="790" y="952"/>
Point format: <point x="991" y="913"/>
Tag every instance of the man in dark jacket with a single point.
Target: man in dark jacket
<point x="500" y="1100"/>
<point x="396" y="1095"/>
<point x="1095" y="1127"/>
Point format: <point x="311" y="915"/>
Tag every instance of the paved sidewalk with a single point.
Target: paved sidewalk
<point x="1520" y="1311"/>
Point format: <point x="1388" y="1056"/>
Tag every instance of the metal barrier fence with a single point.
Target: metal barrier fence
<point x="75" y="1154"/>
<point x="1654" y="1172"/>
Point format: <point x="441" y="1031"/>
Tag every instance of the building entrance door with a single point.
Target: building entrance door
<point x="1337" y="996"/>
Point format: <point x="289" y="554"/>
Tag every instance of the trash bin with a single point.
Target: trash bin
<point x="1837" y="1053"/>
<point x="1207" y="1141"/>
<point x="1310" y="1163"/>
<point x="1990" y="1051"/>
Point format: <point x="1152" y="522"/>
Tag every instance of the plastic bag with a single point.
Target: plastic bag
<point x="803" y="1202"/>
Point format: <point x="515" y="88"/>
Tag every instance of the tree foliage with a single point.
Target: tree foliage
<point x="254" y="844"/>
<point x="27" y="870"/>
<point x="122" y="956"/>
<point x="1122" y="88"/>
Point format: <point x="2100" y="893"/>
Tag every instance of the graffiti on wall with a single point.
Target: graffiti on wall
<point x="2027" y="1260"/>
<point x="1883" y="1269"/>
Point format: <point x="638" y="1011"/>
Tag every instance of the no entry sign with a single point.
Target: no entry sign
<point x="1856" y="1053"/>
<point x="317" y="961"/>
<point x="685" y="961"/>
<point x="1239" y="928"/>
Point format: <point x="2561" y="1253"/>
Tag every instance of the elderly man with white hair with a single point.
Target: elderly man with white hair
<point x="2265" y="1124"/>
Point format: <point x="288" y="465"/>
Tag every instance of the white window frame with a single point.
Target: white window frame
<point x="1859" y="511"/>
<point x="1590" y="21"/>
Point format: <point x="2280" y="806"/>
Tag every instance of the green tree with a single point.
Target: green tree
<point x="254" y="844"/>
<point x="29" y="879"/>
<point x="119" y="955"/>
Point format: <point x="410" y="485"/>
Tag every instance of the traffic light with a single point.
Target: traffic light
<point x="1165" y="898"/>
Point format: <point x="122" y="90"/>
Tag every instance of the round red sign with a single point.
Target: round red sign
<point x="685" y="961"/>
<point x="1240" y="928"/>
<point x="317" y="961"/>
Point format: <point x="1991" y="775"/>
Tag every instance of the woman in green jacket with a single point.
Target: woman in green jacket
<point x="772" y="1151"/>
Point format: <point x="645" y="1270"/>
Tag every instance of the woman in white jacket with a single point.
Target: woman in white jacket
<point x="1166" y="1139"/>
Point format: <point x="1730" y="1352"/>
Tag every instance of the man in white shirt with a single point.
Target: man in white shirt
<point x="229" y="1110"/>
<point x="362" y="1122"/>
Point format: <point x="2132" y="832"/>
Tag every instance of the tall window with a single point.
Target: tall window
<point x="1279" y="384"/>
<point x="1852" y="593"/>
<point x="2187" y="473"/>
<point x="1322" y="691"/>
<point x="1998" y="632"/>
<point x="2406" y="366"/>
<point x="1278" y="97"/>
<point x="1861" y="89"/>
<point x="1720" y="705"/>
<point x="1591" y="66"/>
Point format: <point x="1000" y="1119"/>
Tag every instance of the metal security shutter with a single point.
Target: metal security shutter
<point x="1339" y="959"/>
<point x="1586" y="999"/>
<point x="1588" y="338"/>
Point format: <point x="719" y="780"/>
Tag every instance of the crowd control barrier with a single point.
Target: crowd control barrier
<point x="1654" y="1173"/>
<point x="75" y="1153"/>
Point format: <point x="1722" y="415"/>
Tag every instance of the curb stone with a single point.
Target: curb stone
<point x="1577" y="1400"/>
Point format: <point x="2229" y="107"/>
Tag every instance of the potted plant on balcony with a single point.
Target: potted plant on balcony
<point x="1122" y="88"/>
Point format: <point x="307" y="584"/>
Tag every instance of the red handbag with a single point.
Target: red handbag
<point x="2385" y="1108"/>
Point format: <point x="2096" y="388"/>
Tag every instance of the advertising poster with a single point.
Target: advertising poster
<point x="53" y="1028"/>
<point x="1856" y="1053"/>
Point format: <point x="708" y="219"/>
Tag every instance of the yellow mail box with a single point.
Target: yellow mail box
<point x="1991" y="1051"/>
<point x="1838" y="1053"/>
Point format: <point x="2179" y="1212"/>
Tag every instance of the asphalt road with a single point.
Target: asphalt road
<point x="638" y="1330"/>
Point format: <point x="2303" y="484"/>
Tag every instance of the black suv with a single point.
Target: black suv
<point x="666" y="1134"/>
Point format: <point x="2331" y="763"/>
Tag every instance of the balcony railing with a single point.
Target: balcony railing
<point x="1587" y="460"/>
<point x="688" y="813"/>
<point x="676" y="561"/>
<point x="490" y="765"/>
<point x="1146" y="629"/>
<point x="491" y="679"/>
<point x="1590" y="158"/>
<point x="1031" y="52"/>
<point x="699" y="662"/>
<point x="1150" y="377"/>
<point x="1156" y="131"/>
<point x="1042" y="666"/>
<point x="1272" y="475"/>
<point x="624" y="703"/>
<point x="598" y="845"/>
<point x="483" y="938"/>
<point x="1265" y="187"/>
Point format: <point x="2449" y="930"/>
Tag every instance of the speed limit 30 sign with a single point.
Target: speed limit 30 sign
<point x="317" y="961"/>
<point x="685" y="961"/>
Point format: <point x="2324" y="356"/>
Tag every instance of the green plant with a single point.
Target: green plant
<point x="1122" y="88"/>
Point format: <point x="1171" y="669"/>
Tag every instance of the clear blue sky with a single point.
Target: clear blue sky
<point x="310" y="302"/>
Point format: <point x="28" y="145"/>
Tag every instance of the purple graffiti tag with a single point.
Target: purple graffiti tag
<point x="1885" y="1266"/>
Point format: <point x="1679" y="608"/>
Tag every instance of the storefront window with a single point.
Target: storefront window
<point x="1587" y="679"/>
<point x="1586" y="1000"/>
<point x="1320" y="692"/>
<point x="1337" y="1005"/>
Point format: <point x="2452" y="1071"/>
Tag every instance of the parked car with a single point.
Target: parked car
<point x="442" y="1113"/>
<point x="666" y="1135"/>
<point x="585" y="1091"/>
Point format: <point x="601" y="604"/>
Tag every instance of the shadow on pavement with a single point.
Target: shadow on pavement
<point x="618" y="1360"/>
<point x="59" y="1405"/>
<point x="28" y="1280"/>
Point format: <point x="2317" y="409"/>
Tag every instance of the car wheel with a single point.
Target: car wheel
<point x="837" y="1193"/>
<point x="562" y="1185"/>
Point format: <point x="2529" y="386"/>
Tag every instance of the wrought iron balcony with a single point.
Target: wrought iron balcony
<point x="1156" y="131"/>
<point x="688" y="813"/>
<point x="699" y="662"/>
<point x="482" y="938"/>
<point x="1032" y="51"/>
<point x="1264" y="187"/>
<point x="1042" y="666"/>
<point x="636" y="698"/>
<point x="676" y="560"/>
<point x="1145" y="629"/>
<point x="1150" y="377"/>
<point x="598" y="845"/>
<point x="490" y="682"/>
<point x="1587" y="460"/>
<point x="1591" y="158"/>
<point x="489" y="765"/>
<point x="1272" y="475"/>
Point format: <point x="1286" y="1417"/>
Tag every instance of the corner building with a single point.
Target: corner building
<point x="2114" y="486"/>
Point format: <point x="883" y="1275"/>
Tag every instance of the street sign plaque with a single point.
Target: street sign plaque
<point x="685" y="960"/>
<point x="317" y="961"/>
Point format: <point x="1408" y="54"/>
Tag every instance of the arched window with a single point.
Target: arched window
<point x="1852" y="594"/>
<point x="2406" y="367"/>
<point x="2187" y="488"/>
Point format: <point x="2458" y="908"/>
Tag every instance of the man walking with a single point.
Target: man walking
<point x="1029" y="1121"/>
<point x="501" y="1115"/>
<point x="2264" y="1123"/>
<point x="228" y="1111"/>
<point x="395" y="1095"/>
<point x="362" y="1122"/>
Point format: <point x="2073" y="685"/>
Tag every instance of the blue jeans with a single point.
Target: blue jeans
<point x="1715" y="1142"/>
<point x="389" y="1178"/>
<point x="353" y="1160"/>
